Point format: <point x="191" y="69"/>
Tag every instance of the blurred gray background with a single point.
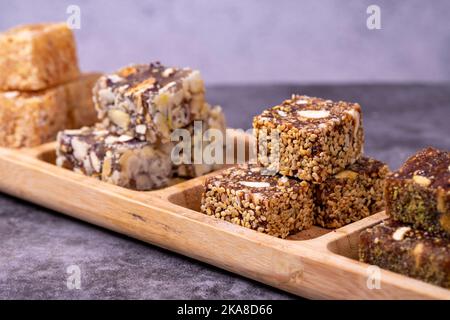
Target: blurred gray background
<point x="254" y="41"/>
<point x="298" y="43"/>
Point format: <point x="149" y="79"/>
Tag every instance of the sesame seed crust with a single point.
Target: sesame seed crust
<point x="272" y="204"/>
<point x="318" y="138"/>
<point x="352" y="194"/>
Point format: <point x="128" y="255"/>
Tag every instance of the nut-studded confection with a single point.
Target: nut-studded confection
<point x="150" y="101"/>
<point x="419" y="192"/>
<point x="28" y="119"/>
<point x="272" y="204"/>
<point x="35" y="57"/>
<point x="189" y="169"/>
<point x="415" y="253"/>
<point x="317" y="138"/>
<point x="352" y="194"/>
<point x="81" y="110"/>
<point x="120" y="160"/>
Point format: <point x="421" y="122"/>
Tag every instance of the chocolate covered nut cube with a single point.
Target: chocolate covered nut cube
<point x="316" y="138"/>
<point x="150" y="101"/>
<point x="120" y="160"/>
<point x="74" y="148"/>
<point x="414" y="253"/>
<point x="352" y="194"/>
<point x="79" y="101"/>
<point x="201" y="139"/>
<point x="272" y="204"/>
<point x="419" y="192"/>
<point x="28" y="119"/>
<point x="38" y="56"/>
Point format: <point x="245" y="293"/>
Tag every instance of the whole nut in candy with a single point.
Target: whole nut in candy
<point x="107" y="168"/>
<point x="125" y="104"/>
<point x="357" y="118"/>
<point x="162" y="125"/>
<point x="196" y="84"/>
<point x="170" y="85"/>
<point x="73" y="131"/>
<point x="80" y="149"/>
<point x="168" y="72"/>
<point x="98" y="132"/>
<point x="95" y="162"/>
<point x="421" y="180"/>
<point x="106" y="96"/>
<point x="125" y="138"/>
<point x="177" y="97"/>
<point x="114" y="78"/>
<point x="302" y="102"/>
<point x="255" y="184"/>
<point x="111" y="139"/>
<point x="399" y="234"/>
<point x="119" y="118"/>
<point x="141" y="128"/>
<point x="346" y="174"/>
<point x="161" y="102"/>
<point x="283" y="180"/>
<point x="141" y="87"/>
<point x="314" y="114"/>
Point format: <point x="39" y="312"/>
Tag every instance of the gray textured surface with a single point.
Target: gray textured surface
<point x="258" y="41"/>
<point x="37" y="245"/>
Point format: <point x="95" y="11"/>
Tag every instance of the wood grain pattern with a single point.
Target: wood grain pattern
<point x="315" y="263"/>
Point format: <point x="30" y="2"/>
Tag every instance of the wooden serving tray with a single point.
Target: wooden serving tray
<point x="316" y="263"/>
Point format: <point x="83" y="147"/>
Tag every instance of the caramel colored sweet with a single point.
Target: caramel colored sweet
<point x="36" y="57"/>
<point x="81" y="110"/>
<point x="31" y="119"/>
